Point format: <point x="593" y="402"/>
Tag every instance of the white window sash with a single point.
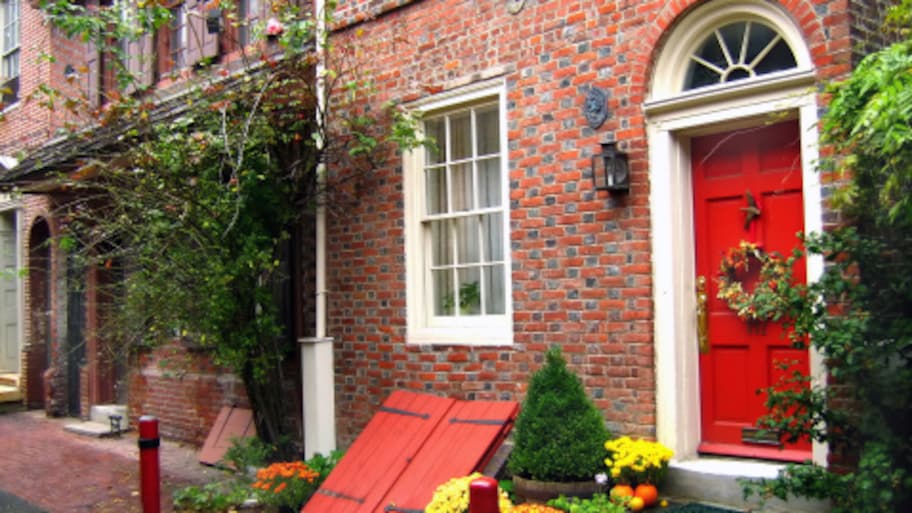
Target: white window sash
<point x="424" y="327"/>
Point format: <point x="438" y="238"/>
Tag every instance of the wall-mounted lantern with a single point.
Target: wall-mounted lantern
<point x="70" y="73"/>
<point x="214" y="21"/>
<point x="610" y="169"/>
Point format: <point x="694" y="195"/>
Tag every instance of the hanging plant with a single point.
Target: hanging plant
<point x="763" y="302"/>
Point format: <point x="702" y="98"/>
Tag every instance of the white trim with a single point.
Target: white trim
<point x="673" y="119"/>
<point x="489" y="330"/>
<point x="670" y="71"/>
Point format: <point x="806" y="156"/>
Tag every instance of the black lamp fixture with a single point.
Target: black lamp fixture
<point x="70" y="73"/>
<point x="214" y="20"/>
<point x="610" y="169"/>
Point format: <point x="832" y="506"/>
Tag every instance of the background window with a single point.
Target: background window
<point x="9" y="50"/>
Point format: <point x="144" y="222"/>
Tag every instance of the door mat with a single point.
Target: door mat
<point x="696" y="507"/>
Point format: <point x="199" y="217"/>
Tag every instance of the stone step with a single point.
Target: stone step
<point x="9" y="379"/>
<point x="716" y="481"/>
<point x="100" y="423"/>
<point x="10" y="394"/>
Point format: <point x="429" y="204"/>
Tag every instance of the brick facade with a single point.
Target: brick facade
<point x="183" y="390"/>
<point x="582" y="267"/>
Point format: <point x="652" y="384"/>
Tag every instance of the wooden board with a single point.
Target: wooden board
<point x="463" y="442"/>
<point x="231" y="423"/>
<point x="412" y="444"/>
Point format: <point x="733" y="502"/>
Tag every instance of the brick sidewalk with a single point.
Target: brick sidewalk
<point x="62" y="472"/>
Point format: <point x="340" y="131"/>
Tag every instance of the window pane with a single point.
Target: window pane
<point x="440" y="244"/>
<point x="460" y="136"/>
<point x="700" y="76"/>
<point x="462" y="187"/>
<point x="435" y="129"/>
<point x="492" y="226"/>
<point x="494" y="294"/>
<point x="444" y="294"/>
<point x="488" y="131"/>
<point x="711" y="52"/>
<point x="733" y="36"/>
<point x="467" y="241"/>
<point x="176" y="43"/>
<point x="760" y="36"/>
<point x="470" y="291"/>
<point x="435" y="180"/>
<point x="779" y="58"/>
<point x="489" y="183"/>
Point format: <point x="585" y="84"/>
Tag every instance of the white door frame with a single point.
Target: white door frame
<point x="670" y="126"/>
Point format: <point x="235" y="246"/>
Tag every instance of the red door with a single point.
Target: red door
<point x="760" y="165"/>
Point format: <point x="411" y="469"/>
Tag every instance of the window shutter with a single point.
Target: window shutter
<point x="200" y="43"/>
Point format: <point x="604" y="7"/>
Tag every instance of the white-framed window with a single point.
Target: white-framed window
<point x="9" y="51"/>
<point x="249" y="14"/>
<point x="457" y="222"/>
<point x="737" y="51"/>
<point x="177" y="38"/>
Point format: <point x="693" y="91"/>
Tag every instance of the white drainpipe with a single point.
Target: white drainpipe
<point x="317" y="369"/>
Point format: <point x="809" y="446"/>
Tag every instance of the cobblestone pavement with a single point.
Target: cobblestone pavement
<point x="62" y="472"/>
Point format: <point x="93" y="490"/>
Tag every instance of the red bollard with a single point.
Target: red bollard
<point x="484" y="495"/>
<point x="149" y="474"/>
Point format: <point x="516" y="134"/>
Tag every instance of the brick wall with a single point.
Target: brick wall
<point x="581" y="261"/>
<point x="183" y="389"/>
<point x="30" y="123"/>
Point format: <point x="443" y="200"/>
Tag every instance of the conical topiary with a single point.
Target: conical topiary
<point x="559" y="434"/>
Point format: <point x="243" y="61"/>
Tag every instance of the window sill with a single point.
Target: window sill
<point x="475" y="336"/>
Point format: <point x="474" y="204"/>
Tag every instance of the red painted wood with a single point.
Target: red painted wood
<point x="230" y="424"/>
<point x="399" y="459"/>
<point x="463" y="443"/>
<point x="744" y="357"/>
<point x="380" y="454"/>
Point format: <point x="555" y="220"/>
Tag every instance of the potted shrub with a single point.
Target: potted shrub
<point x="559" y="436"/>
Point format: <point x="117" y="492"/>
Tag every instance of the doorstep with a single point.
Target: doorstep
<point x="714" y="480"/>
<point x="100" y="423"/>
<point x="10" y="394"/>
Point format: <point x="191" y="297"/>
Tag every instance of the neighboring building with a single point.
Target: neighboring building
<point x="456" y="269"/>
<point x="51" y="317"/>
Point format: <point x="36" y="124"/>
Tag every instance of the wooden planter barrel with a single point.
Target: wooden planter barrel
<point x="531" y="490"/>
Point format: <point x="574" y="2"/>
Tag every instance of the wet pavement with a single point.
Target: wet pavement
<point x="44" y="469"/>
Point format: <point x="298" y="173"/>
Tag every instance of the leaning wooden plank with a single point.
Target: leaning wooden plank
<point x="231" y="423"/>
<point x="380" y="454"/>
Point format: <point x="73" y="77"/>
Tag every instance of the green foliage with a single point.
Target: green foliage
<point x="247" y="453"/>
<point x="209" y="498"/>
<point x="190" y="212"/>
<point x="869" y="123"/>
<point x="229" y="494"/>
<point x="858" y="316"/>
<point x="559" y="434"/>
<point x="599" y="503"/>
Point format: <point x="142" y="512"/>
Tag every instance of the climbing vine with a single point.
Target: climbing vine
<point x="190" y="211"/>
<point x="857" y="315"/>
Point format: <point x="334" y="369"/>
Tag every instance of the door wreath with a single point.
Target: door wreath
<point x="764" y="302"/>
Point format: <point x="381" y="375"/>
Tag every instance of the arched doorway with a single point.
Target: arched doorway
<point x="39" y="311"/>
<point x="731" y="77"/>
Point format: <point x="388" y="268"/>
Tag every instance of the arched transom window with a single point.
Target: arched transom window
<point x="736" y="51"/>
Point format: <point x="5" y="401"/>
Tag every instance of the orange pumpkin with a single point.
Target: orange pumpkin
<point x="648" y="493"/>
<point x="621" y="490"/>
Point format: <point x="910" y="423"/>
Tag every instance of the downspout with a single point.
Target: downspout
<point x="317" y="369"/>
